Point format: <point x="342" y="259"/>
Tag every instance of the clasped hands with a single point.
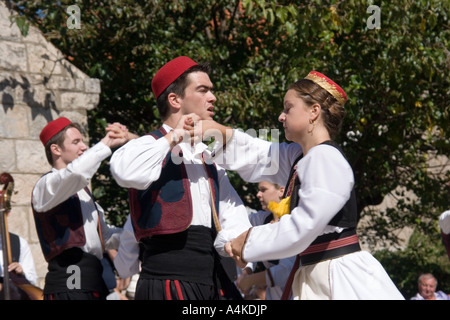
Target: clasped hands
<point x="117" y="134"/>
<point x="235" y="247"/>
<point x="191" y="128"/>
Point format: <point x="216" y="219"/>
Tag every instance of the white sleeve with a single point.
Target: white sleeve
<point x="127" y="258"/>
<point x="326" y="184"/>
<point x="26" y="261"/>
<point x="58" y="185"/>
<point x="444" y="222"/>
<point x="256" y="159"/>
<point x="233" y="215"/>
<point x="138" y="163"/>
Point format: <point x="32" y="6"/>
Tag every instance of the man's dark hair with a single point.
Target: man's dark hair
<point x="178" y="87"/>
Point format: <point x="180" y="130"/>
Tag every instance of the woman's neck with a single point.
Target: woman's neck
<point x="313" y="139"/>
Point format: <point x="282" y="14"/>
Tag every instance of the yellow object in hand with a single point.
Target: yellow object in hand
<point x="281" y="208"/>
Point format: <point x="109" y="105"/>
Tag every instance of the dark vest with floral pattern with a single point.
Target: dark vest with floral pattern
<point x="165" y="207"/>
<point x="60" y="228"/>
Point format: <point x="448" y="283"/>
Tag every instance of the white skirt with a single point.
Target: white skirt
<point x="355" y="276"/>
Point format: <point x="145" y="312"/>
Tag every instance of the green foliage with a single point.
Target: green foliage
<point x="425" y="254"/>
<point x="396" y="78"/>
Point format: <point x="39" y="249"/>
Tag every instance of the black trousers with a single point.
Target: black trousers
<point x="75" y="295"/>
<point x="158" y="289"/>
<point x="183" y="266"/>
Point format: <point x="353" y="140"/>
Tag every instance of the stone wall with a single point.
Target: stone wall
<point x="37" y="85"/>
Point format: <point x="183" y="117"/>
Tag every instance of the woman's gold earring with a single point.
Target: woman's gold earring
<point x="313" y="125"/>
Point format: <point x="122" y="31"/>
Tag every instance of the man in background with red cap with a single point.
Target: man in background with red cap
<point x="70" y="224"/>
<point x="182" y="205"/>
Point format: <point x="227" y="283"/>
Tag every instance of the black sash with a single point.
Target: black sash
<point x="187" y="256"/>
<point x="63" y="269"/>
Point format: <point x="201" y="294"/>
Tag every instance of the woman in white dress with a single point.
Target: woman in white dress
<point x="320" y="221"/>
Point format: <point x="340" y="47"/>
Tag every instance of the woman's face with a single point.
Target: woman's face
<point x="268" y="192"/>
<point x="295" y="116"/>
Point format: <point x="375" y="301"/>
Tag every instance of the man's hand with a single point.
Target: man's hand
<point x="204" y="129"/>
<point x="234" y="249"/>
<point x="117" y="135"/>
<point x="16" y="267"/>
<point x="243" y="283"/>
<point x="180" y="133"/>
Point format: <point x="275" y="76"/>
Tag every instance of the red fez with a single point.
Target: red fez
<point x="52" y="128"/>
<point x="326" y="83"/>
<point x="5" y="178"/>
<point x="169" y="73"/>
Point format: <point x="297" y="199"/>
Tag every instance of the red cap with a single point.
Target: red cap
<point x="52" y="128"/>
<point x="5" y="178"/>
<point x="169" y="73"/>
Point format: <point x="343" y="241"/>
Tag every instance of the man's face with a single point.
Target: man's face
<point x="427" y="287"/>
<point x="198" y="97"/>
<point x="73" y="146"/>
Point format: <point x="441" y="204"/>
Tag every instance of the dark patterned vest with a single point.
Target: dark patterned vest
<point x="165" y="207"/>
<point x="60" y="228"/>
<point x="347" y="217"/>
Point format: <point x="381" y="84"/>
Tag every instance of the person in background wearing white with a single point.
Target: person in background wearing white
<point x="444" y="224"/>
<point x="22" y="260"/>
<point x="427" y="285"/>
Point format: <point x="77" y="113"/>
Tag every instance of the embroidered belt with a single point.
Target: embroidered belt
<point x="330" y="246"/>
<point x="325" y="247"/>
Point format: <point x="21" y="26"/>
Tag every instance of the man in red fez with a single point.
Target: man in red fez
<point x="182" y="205"/>
<point x="69" y="223"/>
